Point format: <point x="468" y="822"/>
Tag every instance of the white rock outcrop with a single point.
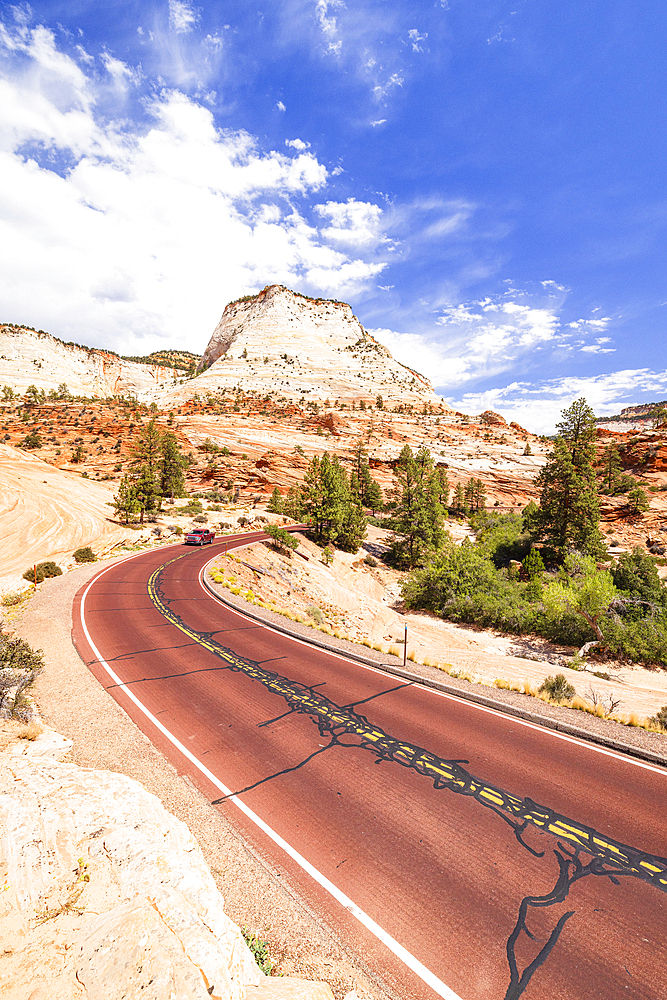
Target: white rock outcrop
<point x="285" y="344"/>
<point x="105" y="893"/>
<point x="30" y="357"/>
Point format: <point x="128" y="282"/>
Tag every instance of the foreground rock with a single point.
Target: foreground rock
<point x="107" y="895"/>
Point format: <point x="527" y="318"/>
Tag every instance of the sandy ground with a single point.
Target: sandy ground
<point x="75" y="705"/>
<point x="47" y="514"/>
<point x="363" y="603"/>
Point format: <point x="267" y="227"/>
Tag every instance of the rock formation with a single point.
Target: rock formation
<point x="284" y="344"/>
<point x="106" y="894"/>
<point x="32" y="357"/>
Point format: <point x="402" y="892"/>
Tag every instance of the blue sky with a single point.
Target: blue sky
<point x="484" y="182"/>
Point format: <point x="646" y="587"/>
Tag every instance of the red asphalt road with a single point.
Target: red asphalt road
<point x="441" y="873"/>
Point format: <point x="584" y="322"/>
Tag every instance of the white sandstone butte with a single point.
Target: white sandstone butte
<point x="33" y="357"/>
<point x="282" y="343"/>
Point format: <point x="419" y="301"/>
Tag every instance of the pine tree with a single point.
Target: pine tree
<point x="172" y="463"/>
<point x="293" y="504"/>
<point x="458" y="501"/>
<point x="440" y="486"/>
<point x="147" y="450"/>
<point x="364" y="488"/>
<point x="125" y="501"/>
<point x="533" y="564"/>
<point x="275" y="504"/>
<point x="147" y="491"/>
<point x="328" y="501"/>
<point x="374" y="496"/>
<point x="418" y="514"/>
<point x="611" y="467"/>
<point x="569" y="514"/>
<point x="480" y="495"/>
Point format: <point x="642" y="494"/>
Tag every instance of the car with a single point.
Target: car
<point x="199" y="536"/>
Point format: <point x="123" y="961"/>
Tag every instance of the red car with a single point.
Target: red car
<point x="200" y="536"/>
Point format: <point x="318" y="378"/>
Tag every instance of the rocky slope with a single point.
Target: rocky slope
<point x="282" y="343"/>
<point x="32" y="357"/>
<point x="107" y="895"/>
<point x="48" y="514"/>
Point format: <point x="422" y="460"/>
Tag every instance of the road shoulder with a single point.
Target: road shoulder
<point x="256" y="894"/>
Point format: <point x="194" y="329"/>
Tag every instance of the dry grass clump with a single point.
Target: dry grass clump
<point x="501" y="683"/>
<point x="394" y="651"/>
<point x="30" y="731"/>
<point x="14" y="597"/>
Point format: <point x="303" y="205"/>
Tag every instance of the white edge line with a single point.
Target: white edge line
<point x="398" y="950"/>
<point x="596" y="748"/>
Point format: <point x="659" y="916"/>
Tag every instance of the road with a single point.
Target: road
<point x="459" y="852"/>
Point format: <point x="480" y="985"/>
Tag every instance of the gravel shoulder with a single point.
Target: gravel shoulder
<point x="256" y="894"/>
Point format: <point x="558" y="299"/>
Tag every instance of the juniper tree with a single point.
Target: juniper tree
<point x="569" y="514"/>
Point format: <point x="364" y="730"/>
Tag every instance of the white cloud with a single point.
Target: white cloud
<point x="280" y="106"/>
<point x="416" y="39"/>
<point x="471" y="341"/>
<point x="329" y="25"/>
<point x="183" y="17"/>
<point x="352" y="222"/>
<point x="538" y="406"/>
<point x="136" y="235"/>
<point x="297" y="144"/>
<point x="379" y="121"/>
<point x="122" y="74"/>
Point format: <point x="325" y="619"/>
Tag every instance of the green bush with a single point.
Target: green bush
<point x="637" y="637"/>
<point x="370" y="561"/>
<point x="636" y="574"/>
<point x="557" y="688"/>
<point x="260" y="951"/>
<point x="85" y="555"/>
<point x="282" y="539"/>
<point x="660" y="719"/>
<point x="502" y="537"/>
<point x="31" y="440"/>
<point x="42" y="571"/>
<point x="17" y="654"/>
<point x="315" y="613"/>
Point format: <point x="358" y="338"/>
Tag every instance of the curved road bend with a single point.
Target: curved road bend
<point x="459" y="852"/>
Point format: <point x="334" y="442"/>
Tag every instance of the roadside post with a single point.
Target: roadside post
<point x="405" y="647"/>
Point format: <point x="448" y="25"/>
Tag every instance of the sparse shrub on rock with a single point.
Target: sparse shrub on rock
<point x="557" y="688"/>
<point x="85" y="555"/>
<point x="660" y="718"/>
<point x="19" y="665"/>
<point x="42" y="571"/>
